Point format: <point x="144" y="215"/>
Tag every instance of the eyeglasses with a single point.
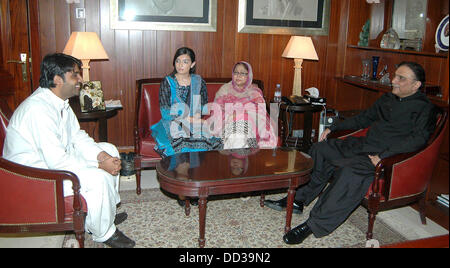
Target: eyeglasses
<point x="240" y="74"/>
<point x="402" y="78"/>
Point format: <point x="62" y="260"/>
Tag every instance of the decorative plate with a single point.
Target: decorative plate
<point x="442" y="35"/>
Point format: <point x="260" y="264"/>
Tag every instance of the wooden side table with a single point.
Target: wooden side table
<point x="302" y="144"/>
<point x="100" y="116"/>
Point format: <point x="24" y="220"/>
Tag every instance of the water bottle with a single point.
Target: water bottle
<point x="277" y="95"/>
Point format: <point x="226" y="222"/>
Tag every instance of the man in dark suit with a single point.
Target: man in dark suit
<point x="400" y="121"/>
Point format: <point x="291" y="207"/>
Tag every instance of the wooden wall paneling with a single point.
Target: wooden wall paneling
<point x="136" y="60"/>
<point x="349" y="97"/>
<point x="181" y="39"/>
<point x="17" y="43"/>
<point x="312" y="70"/>
<point x="149" y="54"/>
<point x="359" y="12"/>
<point x="201" y="47"/>
<point x="164" y="54"/>
<point x="216" y="41"/>
<point x="265" y="65"/>
<point x="254" y="55"/>
<point x="253" y="52"/>
<point x="34" y="43"/>
<point x="440" y="183"/>
<point x="336" y="50"/>
<point x="377" y="26"/>
<point x="242" y="47"/>
<point x="229" y="22"/>
<point x="92" y="12"/>
<point x="4" y="32"/>
<point x="287" y="70"/>
<point x="282" y="68"/>
<point x="434" y="17"/>
<point x="380" y="21"/>
<point x="78" y="25"/>
<point x="7" y="87"/>
<point x="105" y="70"/>
<point x="434" y="69"/>
<point x="444" y="82"/>
<point x="92" y="23"/>
<point x="47" y="26"/>
<point x="213" y="55"/>
<point x="123" y="79"/>
<point x="136" y="69"/>
<point x="63" y="24"/>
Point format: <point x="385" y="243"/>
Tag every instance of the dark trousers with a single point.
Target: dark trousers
<point x="352" y="173"/>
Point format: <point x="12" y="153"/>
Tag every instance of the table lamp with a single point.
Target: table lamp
<point x="85" y="46"/>
<point x="299" y="48"/>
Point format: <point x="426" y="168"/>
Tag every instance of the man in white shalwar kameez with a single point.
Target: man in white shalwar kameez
<point x="44" y="133"/>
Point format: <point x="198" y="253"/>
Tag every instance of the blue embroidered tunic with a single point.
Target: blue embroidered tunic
<point x="172" y="133"/>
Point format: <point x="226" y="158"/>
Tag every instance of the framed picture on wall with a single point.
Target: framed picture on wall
<point x="170" y="15"/>
<point x="293" y="17"/>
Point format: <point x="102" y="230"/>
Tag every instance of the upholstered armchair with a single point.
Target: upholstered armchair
<point x="148" y="113"/>
<point x="402" y="179"/>
<point x="32" y="200"/>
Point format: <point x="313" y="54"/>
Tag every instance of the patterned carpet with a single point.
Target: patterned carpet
<point x="155" y="220"/>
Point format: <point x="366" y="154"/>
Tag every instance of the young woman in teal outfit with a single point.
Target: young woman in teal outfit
<point x="182" y="98"/>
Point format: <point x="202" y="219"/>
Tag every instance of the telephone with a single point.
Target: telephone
<point x="294" y="100"/>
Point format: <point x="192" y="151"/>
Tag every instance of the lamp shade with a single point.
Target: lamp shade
<point x="300" y="47"/>
<point x="85" y="46"/>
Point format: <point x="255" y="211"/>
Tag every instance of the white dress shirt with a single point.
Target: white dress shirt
<point x="44" y="132"/>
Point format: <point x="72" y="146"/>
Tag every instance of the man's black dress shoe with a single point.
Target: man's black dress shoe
<point x="298" y="234"/>
<point x="119" y="240"/>
<point x="281" y="204"/>
<point x="120" y="217"/>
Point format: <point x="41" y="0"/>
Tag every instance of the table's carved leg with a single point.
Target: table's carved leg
<point x="261" y="200"/>
<point x="187" y="207"/>
<point x="290" y="204"/>
<point x="202" y="219"/>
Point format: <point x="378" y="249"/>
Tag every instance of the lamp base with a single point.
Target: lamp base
<point x="85" y="68"/>
<point x="297" y="87"/>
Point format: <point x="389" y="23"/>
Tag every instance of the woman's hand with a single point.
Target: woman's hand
<point x="110" y="164"/>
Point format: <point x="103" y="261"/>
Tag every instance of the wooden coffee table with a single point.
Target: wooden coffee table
<point x="202" y="174"/>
